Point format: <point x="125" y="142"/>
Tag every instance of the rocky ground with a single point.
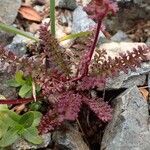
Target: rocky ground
<point x="129" y="93"/>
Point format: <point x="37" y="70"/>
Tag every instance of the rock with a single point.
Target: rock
<point x="24" y="145"/>
<point x="5" y="90"/>
<point x="148" y="41"/>
<point x="65" y="18"/>
<point x="126" y="81"/>
<point x="8" y="13"/>
<point x="39" y="8"/>
<point x="69" y="140"/>
<point x="5" y="38"/>
<point x="85" y="2"/>
<point x="120" y="36"/>
<point x="137" y="78"/>
<point x="18" y="45"/>
<point x="9" y="10"/>
<point x="81" y="21"/>
<point x="67" y="4"/>
<point x="129" y="128"/>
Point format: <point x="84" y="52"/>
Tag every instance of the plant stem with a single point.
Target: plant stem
<point x="52" y="16"/>
<point x="92" y="48"/>
<point x="16" y="101"/>
<point x="90" y="54"/>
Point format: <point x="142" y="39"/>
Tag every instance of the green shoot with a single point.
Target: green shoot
<point x="52" y="16"/>
<point x="14" y="30"/>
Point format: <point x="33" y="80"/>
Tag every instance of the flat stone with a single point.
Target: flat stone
<point x="126" y="81"/>
<point x="9" y="10"/>
<point x="8" y="13"/>
<point x="81" y="21"/>
<point x="69" y="140"/>
<point x="120" y="36"/>
<point x="5" y="90"/>
<point x="18" y="45"/>
<point x="129" y="128"/>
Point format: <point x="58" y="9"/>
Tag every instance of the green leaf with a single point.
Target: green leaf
<point x="31" y="135"/>
<point x="9" y="138"/>
<point x="3" y="128"/>
<point x="24" y="90"/>
<point x="13" y="83"/>
<point x="19" y="78"/>
<point x="14" y="116"/>
<point x="75" y="35"/>
<point x="35" y="106"/>
<point x="29" y="94"/>
<point x="37" y="118"/>
<point x="52" y="16"/>
<point x="29" y="80"/>
<point x="14" y="30"/>
<point x="27" y="119"/>
<point x="2" y="106"/>
<point x="9" y="117"/>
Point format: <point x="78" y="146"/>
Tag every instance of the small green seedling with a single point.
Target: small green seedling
<point x="26" y="85"/>
<point x="14" y="126"/>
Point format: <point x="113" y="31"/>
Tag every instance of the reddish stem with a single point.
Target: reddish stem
<point x="16" y="101"/>
<point x="91" y="51"/>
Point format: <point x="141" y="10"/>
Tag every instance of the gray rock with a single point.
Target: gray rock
<point x="65" y="18"/>
<point x="120" y="36"/>
<point x="67" y="4"/>
<point x="81" y="21"/>
<point x="137" y="78"/>
<point x="24" y="145"/>
<point x="129" y="129"/>
<point x="5" y="90"/>
<point x="5" y="38"/>
<point x="126" y="81"/>
<point x="69" y="140"/>
<point x="18" y="45"/>
<point x="9" y="10"/>
<point x="148" y="41"/>
<point x="8" y="13"/>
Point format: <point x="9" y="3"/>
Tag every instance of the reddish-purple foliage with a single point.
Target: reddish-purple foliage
<point x="51" y="71"/>
<point x="112" y="67"/>
<point x="102" y="110"/>
<point x="68" y="107"/>
<point x="98" y="9"/>
<point x="90" y="82"/>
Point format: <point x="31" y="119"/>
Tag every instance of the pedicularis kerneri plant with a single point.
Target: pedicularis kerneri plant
<point x="65" y="91"/>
